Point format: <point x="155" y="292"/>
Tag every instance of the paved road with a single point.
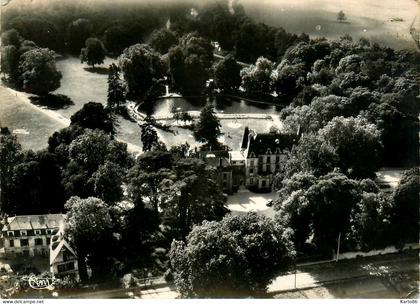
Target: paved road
<point x="373" y="267"/>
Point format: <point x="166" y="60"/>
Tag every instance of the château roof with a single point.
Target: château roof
<point x="260" y="143"/>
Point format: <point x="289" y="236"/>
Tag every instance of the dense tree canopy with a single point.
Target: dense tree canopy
<point x="357" y="144"/>
<point x="257" y="79"/>
<point x="227" y="75"/>
<point x="10" y="157"/>
<point x="11" y="37"/>
<point x="10" y="63"/>
<point x="108" y="180"/>
<point x="38" y="72"/>
<point x="189" y="63"/>
<point x="36" y="185"/>
<point x="42" y="32"/>
<point x="141" y="67"/>
<point x="89" y="229"/>
<point x="87" y="153"/>
<point x="145" y="177"/>
<point x="190" y="195"/>
<point x="370" y="222"/>
<point x="318" y="210"/>
<point x="236" y="257"/>
<point x="116" y="38"/>
<point x="77" y="32"/>
<point x="161" y="40"/>
<point x="93" y="115"/>
<point x="405" y="209"/>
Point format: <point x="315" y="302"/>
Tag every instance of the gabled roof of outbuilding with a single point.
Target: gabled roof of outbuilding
<point x="30" y="222"/>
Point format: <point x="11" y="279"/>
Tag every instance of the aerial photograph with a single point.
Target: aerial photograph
<point x="209" y="149"/>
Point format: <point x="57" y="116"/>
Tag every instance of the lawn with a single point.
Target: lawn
<point x="31" y="124"/>
<point x="372" y="19"/>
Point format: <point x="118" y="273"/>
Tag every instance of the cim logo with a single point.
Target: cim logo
<point x="38" y="283"/>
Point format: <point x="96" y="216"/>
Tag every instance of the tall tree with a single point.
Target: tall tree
<point x="341" y="16"/>
<point x="10" y="156"/>
<point x="325" y="206"/>
<point x="89" y="228"/>
<point x="257" y="79"/>
<point x="195" y="77"/>
<point x="236" y="257"/>
<point x="149" y="136"/>
<point x="93" y="116"/>
<point x="207" y="129"/>
<point x="292" y="207"/>
<point x="11" y="37"/>
<point x="176" y="68"/>
<point x="357" y="144"/>
<point x="405" y="208"/>
<point x="289" y="80"/>
<point x="38" y="72"/>
<point x="87" y="153"/>
<point x="189" y="196"/>
<point x="10" y="63"/>
<point x="144" y="178"/>
<point x="162" y="39"/>
<point x="141" y="67"/>
<point x="115" y="88"/>
<point x="370" y="222"/>
<point x="108" y="181"/>
<point x="36" y="185"/>
<point x="93" y="52"/>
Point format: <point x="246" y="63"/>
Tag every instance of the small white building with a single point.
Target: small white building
<point x="63" y="259"/>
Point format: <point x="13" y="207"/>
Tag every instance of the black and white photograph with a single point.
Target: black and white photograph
<point x="209" y="149"/>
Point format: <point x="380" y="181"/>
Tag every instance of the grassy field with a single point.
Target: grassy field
<point x="31" y="124"/>
<point x="372" y="19"/>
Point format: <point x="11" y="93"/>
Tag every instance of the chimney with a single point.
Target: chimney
<point x="220" y="162"/>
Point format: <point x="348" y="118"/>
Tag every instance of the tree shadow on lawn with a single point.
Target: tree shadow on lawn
<point x="52" y="101"/>
<point x="97" y="70"/>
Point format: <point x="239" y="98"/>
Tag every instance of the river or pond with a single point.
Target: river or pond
<point x="226" y="105"/>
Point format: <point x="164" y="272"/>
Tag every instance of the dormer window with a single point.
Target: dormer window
<point x="252" y="154"/>
<point x="268" y="151"/>
<point x="10" y="233"/>
<point x="278" y="151"/>
<point x="23" y="233"/>
<point x="37" y="232"/>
